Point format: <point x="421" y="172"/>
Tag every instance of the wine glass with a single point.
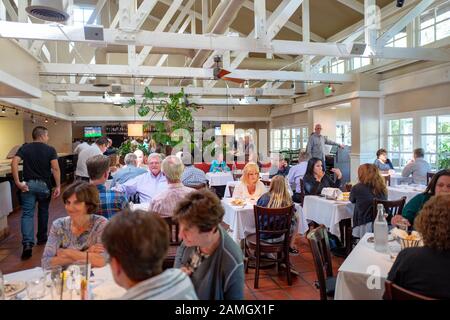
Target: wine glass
<point x="53" y="281"/>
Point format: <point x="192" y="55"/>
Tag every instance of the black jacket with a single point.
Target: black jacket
<point x="362" y="196"/>
<point x="313" y="187"/>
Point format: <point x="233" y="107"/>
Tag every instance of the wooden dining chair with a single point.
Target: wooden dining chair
<point x="387" y="180"/>
<point x="320" y="248"/>
<point x="273" y="223"/>
<point x="393" y="291"/>
<point x="266" y="182"/>
<point x="237" y="176"/>
<point x="430" y="176"/>
<point x="174" y="242"/>
<point x="231" y="189"/>
<point x="392" y="207"/>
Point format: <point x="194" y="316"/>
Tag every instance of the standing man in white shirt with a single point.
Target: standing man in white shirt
<point x="100" y="146"/>
<point x="316" y="144"/>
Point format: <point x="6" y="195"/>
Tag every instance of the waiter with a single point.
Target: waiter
<point x="317" y="142"/>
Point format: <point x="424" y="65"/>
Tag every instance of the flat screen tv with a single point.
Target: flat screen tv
<point x="92" y="132"/>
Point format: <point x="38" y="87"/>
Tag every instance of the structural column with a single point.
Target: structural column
<point x="365" y="120"/>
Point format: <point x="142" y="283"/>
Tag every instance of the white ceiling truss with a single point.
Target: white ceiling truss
<point x="216" y="38"/>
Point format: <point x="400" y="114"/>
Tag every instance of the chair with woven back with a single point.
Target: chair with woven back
<point x="395" y="292"/>
<point x="320" y="248"/>
<point x="391" y="207"/>
<point x="174" y="242"/>
<point x="273" y="223"/>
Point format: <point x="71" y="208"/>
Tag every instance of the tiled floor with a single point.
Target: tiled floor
<point x="272" y="285"/>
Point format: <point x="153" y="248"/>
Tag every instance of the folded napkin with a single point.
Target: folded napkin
<point x="334" y="193"/>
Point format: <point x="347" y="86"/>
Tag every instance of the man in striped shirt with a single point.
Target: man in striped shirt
<point x="137" y="243"/>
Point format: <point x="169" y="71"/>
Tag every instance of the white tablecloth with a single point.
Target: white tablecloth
<point x="363" y="273"/>
<point x="398" y="179"/>
<point x="102" y="282"/>
<point x="327" y="212"/>
<point x="408" y="191"/>
<point x="5" y="199"/>
<point x="219" y="178"/>
<point x="242" y="219"/>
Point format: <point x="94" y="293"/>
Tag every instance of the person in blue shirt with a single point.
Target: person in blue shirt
<point x="382" y="162"/>
<point x="128" y="172"/>
<point x="219" y="165"/>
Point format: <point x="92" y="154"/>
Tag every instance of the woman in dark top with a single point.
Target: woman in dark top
<point x="440" y="184"/>
<point x="425" y="270"/>
<point x="316" y="179"/>
<point x="370" y="186"/>
<point x="382" y="162"/>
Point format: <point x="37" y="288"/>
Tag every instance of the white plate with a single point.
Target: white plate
<point x="13" y="288"/>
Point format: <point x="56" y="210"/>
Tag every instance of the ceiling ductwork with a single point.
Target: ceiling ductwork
<point x="48" y="10"/>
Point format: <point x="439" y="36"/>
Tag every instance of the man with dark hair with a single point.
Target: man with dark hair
<point x="208" y="254"/>
<point x="110" y="202"/>
<point x="98" y="147"/>
<point x="137" y="243"/>
<point x="40" y="161"/>
<point x="417" y="167"/>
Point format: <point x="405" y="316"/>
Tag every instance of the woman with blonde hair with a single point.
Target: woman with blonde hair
<point x="249" y="187"/>
<point x="370" y="186"/>
<point x="279" y="197"/>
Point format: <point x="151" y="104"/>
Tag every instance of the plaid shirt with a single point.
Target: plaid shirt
<point x="111" y="202"/>
<point x="193" y="176"/>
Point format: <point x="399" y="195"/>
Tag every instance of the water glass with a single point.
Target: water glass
<point x="78" y="276"/>
<point x="36" y="288"/>
<point x="394" y="249"/>
<point x="53" y="281"/>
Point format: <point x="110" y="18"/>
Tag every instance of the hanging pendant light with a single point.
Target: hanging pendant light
<point x="227" y="129"/>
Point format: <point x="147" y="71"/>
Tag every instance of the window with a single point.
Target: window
<point x="360" y="62"/>
<point x="81" y="15"/>
<point x="400" y="141"/>
<point x="276" y="140"/>
<point x="337" y="66"/>
<point x="435" y="24"/>
<point x="435" y="138"/>
<point x="399" y="40"/>
<point x="289" y="138"/>
<point x="344" y="133"/>
<point x="286" y="139"/>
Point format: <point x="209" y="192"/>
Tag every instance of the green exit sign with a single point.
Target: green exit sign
<point x="328" y="90"/>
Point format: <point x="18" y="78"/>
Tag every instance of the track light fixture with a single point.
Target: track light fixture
<point x="400" y="3"/>
<point x="17" y="112"/>
<point x="46" y="120"/>
<point x="3" y="110"/>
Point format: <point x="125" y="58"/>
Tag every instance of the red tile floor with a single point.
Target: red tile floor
<point x="272" y="285"/>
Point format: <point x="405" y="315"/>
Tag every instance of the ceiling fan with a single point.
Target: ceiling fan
<point x="220" y="73"/>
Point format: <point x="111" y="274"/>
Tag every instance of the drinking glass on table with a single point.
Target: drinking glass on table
<point x="53" y="281"/>
<point x="36" y="288"/>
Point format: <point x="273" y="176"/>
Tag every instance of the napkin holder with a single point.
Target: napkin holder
<point x="332" y="193"/>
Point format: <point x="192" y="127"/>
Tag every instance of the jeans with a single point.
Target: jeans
<point x="39" y="192"/>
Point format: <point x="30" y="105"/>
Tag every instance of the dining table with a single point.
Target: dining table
<point x="363" y="273"/>
<point x="101" y="282"/>
<point x="404" y="190"/>
<point x="327" y="212"/>
<point x="241" y="219"/>
<point x="219" y="178"/>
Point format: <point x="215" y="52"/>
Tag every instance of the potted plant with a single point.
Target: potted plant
<point x="176" y="109"/>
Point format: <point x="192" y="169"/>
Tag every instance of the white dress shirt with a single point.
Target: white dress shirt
<point x="147" y="185"/>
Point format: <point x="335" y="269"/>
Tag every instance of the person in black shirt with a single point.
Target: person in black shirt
<point x="40" y="161"/>
<point x="425" y="270"/>
<point x="316" y="179"/>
